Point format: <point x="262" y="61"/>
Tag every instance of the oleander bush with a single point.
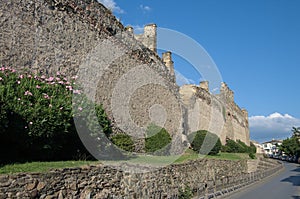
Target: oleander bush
<point x="36" y="117"/>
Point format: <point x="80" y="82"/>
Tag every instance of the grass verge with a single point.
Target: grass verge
<point x="41" y="166"/>
<point x="138" y="159"/>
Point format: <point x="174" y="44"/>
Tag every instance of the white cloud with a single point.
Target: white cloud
<point x="145" y="8"/>
<point x="111" y="4"/>
<point x="275" y="125"/>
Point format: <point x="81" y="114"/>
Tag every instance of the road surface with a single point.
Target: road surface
<point x="284" y="185"/>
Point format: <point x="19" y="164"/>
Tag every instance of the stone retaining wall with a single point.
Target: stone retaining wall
<point x="204" y="176"/>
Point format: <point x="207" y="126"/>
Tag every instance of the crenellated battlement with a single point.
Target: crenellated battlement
<point x="148" y="38"/>
<point x="226" y="92"/>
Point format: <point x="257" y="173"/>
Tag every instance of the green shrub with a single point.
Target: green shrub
<point x="124" y="142"/>
<point x="157" y="139"/>
<point x="238" y="147"/>
<point x="252" y="155"/>
<point x="205" y="142"/>
<point x="252" y="148"/>
<point x="185" y="193"/>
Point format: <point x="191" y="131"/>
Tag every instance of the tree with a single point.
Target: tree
<point x="291" y="146"/>
<point x="296" y="132"/>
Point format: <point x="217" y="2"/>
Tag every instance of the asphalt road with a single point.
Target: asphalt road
<point x="284" y="185"/>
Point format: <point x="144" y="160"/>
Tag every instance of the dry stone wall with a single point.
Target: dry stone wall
<point x="203" y="176"/>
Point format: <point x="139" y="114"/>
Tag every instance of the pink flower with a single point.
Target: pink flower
<point x="13" y="70"/>
<point x="50" y="79"/>
<point x="1" y="78"/>
<point x="61" y="82"/>
<point x="25" y="127"/>
<point x="2" y="68"/>
<point x="50" y="105"/>
<point x="76" y="91"/>
<point x="80" y="108"/>
<point x="30" y="123"/>
<point x="18" y="82"/>
<point x="21" y="76"/>
<point x="61" y="108"/>
<point x="74" y="77"/>
<point x="19" y="99"/>
<point x="69" y="87"/>
<point x="29" y="76"/>
<point x="28" y="93"/>
<point x="43" y="77"/>
<point x="57" y="79"/>
<point x="57" y="73"/>
<point x="46" y="96"/>
<point x="37" y="86"/>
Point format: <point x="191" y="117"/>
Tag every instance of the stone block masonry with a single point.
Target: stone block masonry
<point x="216" y="113"/>
<point x="203" y="176"/>
<point x="83" y="38"/>
<point x="118" y="69"/>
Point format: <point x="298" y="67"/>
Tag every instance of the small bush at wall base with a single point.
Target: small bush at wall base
<point x="252" y="156"/>
<point x="205" y="142"/>
<point x="185" y="193"/>
<point x="157" y="140"/>
<point x="124" y="142"/>
<point x="238" y="146"/>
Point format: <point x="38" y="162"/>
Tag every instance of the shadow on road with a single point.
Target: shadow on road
<point x="295" y="179"/>
<point x="296" y="197"/>
<point x="297" y="169"/>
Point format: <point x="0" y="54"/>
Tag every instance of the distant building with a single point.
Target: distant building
<point x="271" y="148"/>
<point x="259" y="147"/>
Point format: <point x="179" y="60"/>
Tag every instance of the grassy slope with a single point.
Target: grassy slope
<point x="139" y="159"/>
<point x="41" y="166"/>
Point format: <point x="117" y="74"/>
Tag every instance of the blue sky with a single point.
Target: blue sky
<point x="255" y="45"/>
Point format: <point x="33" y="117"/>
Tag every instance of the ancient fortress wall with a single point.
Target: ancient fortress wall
<point x="83" y="38"/>
<point x="115" y="67"/>
<point x="216" y="113"/>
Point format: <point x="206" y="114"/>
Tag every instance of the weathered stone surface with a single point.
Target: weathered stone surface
<point x="106" y="182"/>
<point x="83" y="38"/>
<point x="40" y="186"/>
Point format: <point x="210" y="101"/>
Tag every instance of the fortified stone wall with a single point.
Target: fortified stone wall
<point x="83" y="38"/>
<point x="115" y="67"/>
<point x="216" y="113"/>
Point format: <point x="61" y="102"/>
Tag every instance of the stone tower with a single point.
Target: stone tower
<point x="167" y="60"/>
<point x="149" y="37"/>
<point x="204" y="85"/>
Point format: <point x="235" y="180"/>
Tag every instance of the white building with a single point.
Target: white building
<point x="271" y="148"/>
